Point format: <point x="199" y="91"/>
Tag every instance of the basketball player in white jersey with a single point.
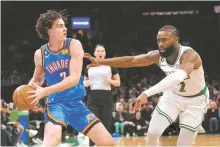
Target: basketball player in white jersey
<point x="185" y="92"/>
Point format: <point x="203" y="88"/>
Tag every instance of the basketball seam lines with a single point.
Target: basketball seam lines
<point x="24" y="100"/>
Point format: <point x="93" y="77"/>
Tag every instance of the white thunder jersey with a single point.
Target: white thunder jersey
<point x="192" y="86"/>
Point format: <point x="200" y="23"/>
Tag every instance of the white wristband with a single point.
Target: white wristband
<point x="170" y="81"/>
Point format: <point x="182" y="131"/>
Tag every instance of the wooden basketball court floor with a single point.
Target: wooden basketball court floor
<point x="201" y="140"/>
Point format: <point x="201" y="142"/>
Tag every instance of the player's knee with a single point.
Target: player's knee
<point x="55" y="139"/>
<point x="52" y="142"/>
<point x="153" y="136"/>
<point x="154" y="132"/>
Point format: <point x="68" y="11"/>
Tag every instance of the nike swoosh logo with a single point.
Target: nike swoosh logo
<point x="47" y="56"/>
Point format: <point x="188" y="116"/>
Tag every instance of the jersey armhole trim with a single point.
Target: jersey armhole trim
<point x="187" y="50"/>
<point x="42" y="56"/>
<point x="67" y="45"/>
<point x="160" y="60"/>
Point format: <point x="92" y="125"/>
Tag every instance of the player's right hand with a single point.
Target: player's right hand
<point x="37" y="94"/>
<point x="95" y="61"/>
<point x="136" y="105"/>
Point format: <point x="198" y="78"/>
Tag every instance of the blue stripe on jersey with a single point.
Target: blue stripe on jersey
<point x="56" y="67"/>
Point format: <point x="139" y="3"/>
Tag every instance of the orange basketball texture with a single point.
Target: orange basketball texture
<point x="20" y="97"/>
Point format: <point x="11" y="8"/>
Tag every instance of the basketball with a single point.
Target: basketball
<point x="20" y="97"/>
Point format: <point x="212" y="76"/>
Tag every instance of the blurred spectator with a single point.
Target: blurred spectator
<point x="120" y="118"/>
<point x="155" y="100"/>
<point x="140" y="125"/>
<point x="20" y="130"/>
<point x="125" y="105"/>
<point x="213" y="117"/>
<point x="146" y="112"/>
<point x="6" y="139"/>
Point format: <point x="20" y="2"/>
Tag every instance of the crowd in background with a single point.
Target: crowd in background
<point x="130" y="36"/>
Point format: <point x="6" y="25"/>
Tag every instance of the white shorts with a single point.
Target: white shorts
<point x="190" y="110"/>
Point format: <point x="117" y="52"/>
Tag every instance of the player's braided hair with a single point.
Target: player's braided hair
<point x="46" y="20"/>
<point x="171" y="29"/>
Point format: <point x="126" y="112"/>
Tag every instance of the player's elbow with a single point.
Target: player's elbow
<point x="177" y="81"/>
<point x="133" y="62"/>
<point x="74" y="80"/>
<point x="179" y="76"/>
<point x="37" y="81"/>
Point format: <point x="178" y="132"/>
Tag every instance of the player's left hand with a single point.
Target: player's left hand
<point x="95" y="61"/>
<point x="136" y="106"/>
<point x="37" y="94"/>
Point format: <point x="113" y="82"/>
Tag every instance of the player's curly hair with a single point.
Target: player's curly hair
<point x="46" y="20"/>
<point x="171" y="29"/>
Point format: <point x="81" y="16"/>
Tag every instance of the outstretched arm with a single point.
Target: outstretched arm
<point x="188" y="62"/>
<point x="127" y="61"/>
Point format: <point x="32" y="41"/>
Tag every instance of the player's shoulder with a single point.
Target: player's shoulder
<point x="38" y="53"/>
<point x="154" y="53"/>
<point x="38" y="57"/>
<point x="75" y="41"/>
<point x="187" y="50"/>
<point x="75" y="44"/>
<point x="76" y="47"/>
<point x="190" y="54"/>
<point x="154" y="56"/>
<point x="151" y="55"/>
<point x="186" y="47"/>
